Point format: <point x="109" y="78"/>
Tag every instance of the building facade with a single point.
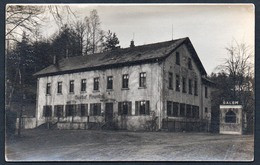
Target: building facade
<point x="134" y="88"/>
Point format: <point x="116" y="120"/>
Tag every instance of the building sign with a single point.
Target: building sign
<point x="99" y="96"/>
<point x="80" y="97"/>
<point x="230" y="102"/>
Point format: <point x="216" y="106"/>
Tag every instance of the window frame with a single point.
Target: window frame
<point x="177" y="83"/>
<point x="184" y="83"/>
<point x="177" y="58"/>
<point x="142" y="80"/>
<point x="59" y="87"/>
<point x="190" y="86"/>
<point x="71" y="86"/>
<point x="83" y="87"/>
<point x="125" y="81"/>
<point x="48" y="89"/>
<point x="96" y="83"/>
<point x="110" y="82"/>
<point x="206" y="91"/>
<point x="170" y="79"/>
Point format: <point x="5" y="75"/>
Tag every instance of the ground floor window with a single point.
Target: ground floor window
<point x="58" y="110"/>
<point x="195" y="111"/>
<point x="95" y="109"/>
<point x="188" y="111"/>
<point x="125" y="108"/>
<point x="182" y="110"/>
<point x="142" y="107"/>
<point x="47" y="111"/>
<point x="70" y="110"/>
<point x="83" y="109"/>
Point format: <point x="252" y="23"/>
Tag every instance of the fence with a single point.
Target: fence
<point x="184" y="125"/>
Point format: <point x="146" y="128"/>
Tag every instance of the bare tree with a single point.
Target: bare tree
<point x="97" y="34"/>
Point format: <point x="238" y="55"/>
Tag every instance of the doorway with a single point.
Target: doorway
<point x="109" y="112"/>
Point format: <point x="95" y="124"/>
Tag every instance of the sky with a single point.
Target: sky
<point x="210" y="28"/>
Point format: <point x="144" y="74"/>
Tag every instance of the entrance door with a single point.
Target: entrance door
<point x="109" y="112"/>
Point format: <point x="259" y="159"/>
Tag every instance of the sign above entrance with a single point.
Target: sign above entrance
<point x="230" y="102"/>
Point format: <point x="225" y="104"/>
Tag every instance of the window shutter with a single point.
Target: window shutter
<point x="91" y="110"/>
<point x="137" y="105"/>
<point x="99" y="109"/>
<point x="147" y="108"/>
<point x="129" y="108"/>
<point x="119" y="108"/>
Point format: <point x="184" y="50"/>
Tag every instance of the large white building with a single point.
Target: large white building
<point x="162" y="85"/>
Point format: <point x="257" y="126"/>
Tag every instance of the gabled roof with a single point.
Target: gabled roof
<point x="121" y="57"/>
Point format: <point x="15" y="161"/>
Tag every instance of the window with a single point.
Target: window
<point x="95" y="109"/>
<point x="169" y="108"/>
<point x="206" y="92"/>
<point x="177" y="88"/>
<point x="48" y="88"/>
<point x="125" y="81"/>
<point x="190" y="86"/>
<point x="59" y="87"/>
<point x="182" y="110"/>
<point x="230" y="117"/>
<point x="189" y="64"/>
<point x="83" y="109"/>
<point x="83" y="85"/>
<point x="172" y="108"/>
<point x="142" y="108"/>
<point x="175" y="107"/>
<point x="195" y="111"/>
<point x="70" y="110"/>
<point x="125" y="108"/>
<point x="195" y="87"/>
<point x="96" y="83"/>
<point x="188" y="110"/>
<point x="71" y="87"/>
<point x="58" y="110"/>
<point x="170" y="80"/>
<point x="177" y="58"/>
<point x="184" y="85"/>
<point x="109" y="82"/>
<point x="47" y="111"/>
<point x="142" y="80"/>
<point x="206" y="110"/>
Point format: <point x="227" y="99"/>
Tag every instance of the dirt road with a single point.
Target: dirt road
<point x="86" y="145"/>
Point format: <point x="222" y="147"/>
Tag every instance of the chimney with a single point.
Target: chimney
<point x="132" y="44"/>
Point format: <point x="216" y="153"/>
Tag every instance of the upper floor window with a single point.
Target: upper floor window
<point x="142" y="108"/>
<point x="125" y="81"/>
<point x="71" y="86"/>
<point x="83" y="85"/>
<point x="142" y="79"/>
<point x="109" y="82"/>
<point x="189" y="64"/>
<point x="195" y="87"/>
<point x="206" y="92"/>
<point x="177" y="88"/>
<point x="177" y="58"/>
<point x="96" y="83"/>
<point x="48" y="88"/>
<point x="184" y="85"/>
<point x="190" y="86"/>
<point x="59" y="87"/>
<point x="170" y="80"/>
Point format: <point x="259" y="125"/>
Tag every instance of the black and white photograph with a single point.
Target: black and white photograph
<point x="129" y="82"/>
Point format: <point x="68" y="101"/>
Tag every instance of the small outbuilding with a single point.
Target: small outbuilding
<point x="231" y="118"/>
